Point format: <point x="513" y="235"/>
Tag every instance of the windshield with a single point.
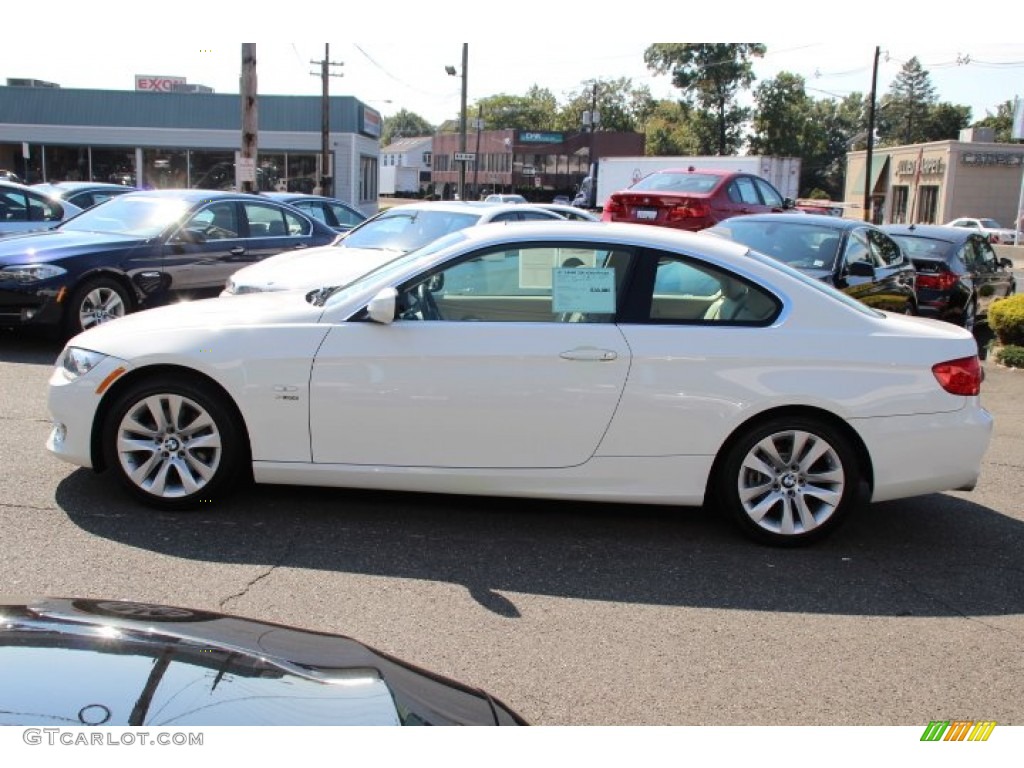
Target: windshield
<point x="668" y="181"/>
<point x="803" y="246"/>
<point x="915" y="246"/>
<point x="405" y="229"/>
<point x="129" y="215"/>
<point x="990" y="224"/>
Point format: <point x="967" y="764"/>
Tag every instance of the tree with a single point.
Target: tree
<point x="780" y="117"/>
<point x="536" y="111"/>
<point x="1001" y="122"/>
<point x="622" y="106"/>
<point x="710" y="76"/>
<point x="404" y="124"/>
<point x="945" y="121"/>
<point x="902" y="116"/>
<point x="670" y="131"/>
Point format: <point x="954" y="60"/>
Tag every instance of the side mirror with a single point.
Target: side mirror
<point x="788" y="203"/>
<point x="381" y="308"/>
<point x="1004" y="262"/>
<point x="860" y="269"/>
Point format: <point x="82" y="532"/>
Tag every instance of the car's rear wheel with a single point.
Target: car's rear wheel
<point x="96" y="301"/>
<point x="789" y="480"/>
<point x="174" y="443"/>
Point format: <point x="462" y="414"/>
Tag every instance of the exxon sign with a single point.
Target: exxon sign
<point x="161" y="83"/>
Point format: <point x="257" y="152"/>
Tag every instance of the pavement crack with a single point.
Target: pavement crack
<point x="265" y="574"/>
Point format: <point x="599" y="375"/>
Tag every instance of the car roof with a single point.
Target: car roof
<point x="195" y="195"/>
<point x="933" y="231"/>
<point x="829" y="222"/>
<point x="74" y="186"/>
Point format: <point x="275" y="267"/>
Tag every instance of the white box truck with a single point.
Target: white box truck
<point x="618" y="173"/>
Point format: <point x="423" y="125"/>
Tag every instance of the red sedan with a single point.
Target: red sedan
<point x="691" y="199"/>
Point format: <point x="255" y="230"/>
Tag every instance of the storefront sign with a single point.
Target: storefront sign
<point x="371" y="122"/>
<point x="538" y="137"/>
<point x="161" y="83"/>
<point x="930" y="166"/>
<point x="992" y="158"/>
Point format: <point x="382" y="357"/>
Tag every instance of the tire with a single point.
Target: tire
<point x="175" y="444"/>
<point x="96" y="301"/>
<point x="785" y="502"/>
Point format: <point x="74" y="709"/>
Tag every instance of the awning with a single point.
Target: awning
<point x="878" y="164"/>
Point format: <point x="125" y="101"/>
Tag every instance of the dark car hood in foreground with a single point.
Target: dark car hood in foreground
<point x="110" y="662"/>
<point x="52" y="245"/>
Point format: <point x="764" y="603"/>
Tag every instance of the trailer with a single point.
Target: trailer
<point x="617" y="173"/>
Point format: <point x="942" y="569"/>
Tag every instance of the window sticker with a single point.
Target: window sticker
<point x="580" y="289"/>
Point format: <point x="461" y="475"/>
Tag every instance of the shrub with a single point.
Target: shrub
<point x="1011" y="356"/>
<point x="1006" y="319"/>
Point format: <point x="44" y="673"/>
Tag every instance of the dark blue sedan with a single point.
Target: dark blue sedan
<point x="336" y="214"/>
<point x="141" y="249"/>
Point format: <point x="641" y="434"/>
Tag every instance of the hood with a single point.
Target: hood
<point x="279" y="308"/>
<point x="313" y="268"/>
<point x="117" y="663"/>
<point x="54" y="244"/>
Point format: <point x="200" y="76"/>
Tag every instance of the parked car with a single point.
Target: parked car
<point x="25" y="209"/>
<point x="84" y="194"/>
<point x="504" y="199"/>
<point x="6" y="175"/>
<point x="693" y="199"/>
<point x="94" y="662"/>
<point x="854" y="256"/>
<point x="382" y="238"/>
<point x="561" y="200"/>
<point x="959" y="275"/>
<point x="996" y="232"/>
<point x="336" y="214"/>
<point x="567" y="211"/>
<point x="139" y="250"/>
<point x="780" y="400"/>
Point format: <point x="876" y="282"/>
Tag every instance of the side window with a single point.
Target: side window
<point x="985" y="255"/>
<point x="535" y="216"/>
<point x="966" y="254"/>
<point x="745" y="191"/>
<point x="270" y="221"/>
<point x="314" y="211"/>
<point x="345" y="217"/>
<point x="40" y="209"/>
<point x="690" y="291"/>
<point x="885" y="249"/>
<point x="858" y="250"/>
<point x="768" y="193"/>
<point x="13" y="207"/>
<point x="534" y="284"/>
<point x="217" y="221"/>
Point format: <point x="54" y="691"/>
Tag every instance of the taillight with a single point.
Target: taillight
<point x="613" y="206"/>
<point x="938" y="281"/>
<point x="689" y="209"/>
<point x="960" y="377"/>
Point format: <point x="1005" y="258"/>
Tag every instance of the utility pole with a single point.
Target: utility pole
<point x="871" y="138"/>
<point x="476" y="163"/>
<point x="245" y="173"/>
<point x="326" y="175"/>
<point x="462" y="123"/>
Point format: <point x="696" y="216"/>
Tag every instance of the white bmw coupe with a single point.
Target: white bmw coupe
<point x="592" y="362"/>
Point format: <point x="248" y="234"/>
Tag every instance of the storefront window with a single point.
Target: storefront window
<point x="367" y="179"/>
<point x="301" y="176"/>
<point x="67" y="163"/>
<point x="270" y="173"/>
<point x="114" y="165"/>
<point x="899" y="205"/>
<point x="213" y="170"/>
<point x="165" y="169"/>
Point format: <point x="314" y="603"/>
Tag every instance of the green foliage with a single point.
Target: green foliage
<point x="622" y="106"/>
<point x="710" y="75"/>
<point x="535" y="111"/>
<point x="404" y="124"/>
<point x="1011" y="356"/>
<point x="1006" y="320"/>
<point x="1001" y="122"/>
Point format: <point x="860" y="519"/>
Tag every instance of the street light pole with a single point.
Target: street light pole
<point x="462" y="118"/>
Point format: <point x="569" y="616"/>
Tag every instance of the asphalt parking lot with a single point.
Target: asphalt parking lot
<point x="571" y="614"/>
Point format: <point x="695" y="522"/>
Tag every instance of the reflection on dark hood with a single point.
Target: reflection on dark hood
<point x="81" y="662"/>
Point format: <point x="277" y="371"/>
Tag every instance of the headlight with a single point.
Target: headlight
<point x="31" y="273"/>
<point x="78" y="362"/>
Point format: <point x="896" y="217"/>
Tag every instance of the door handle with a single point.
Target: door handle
<point x="237" y="251"/>
<point x="591" y="354"/>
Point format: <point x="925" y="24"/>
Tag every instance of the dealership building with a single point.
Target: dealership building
<point x="938" y="181"/>
<point x="186" y="136"/>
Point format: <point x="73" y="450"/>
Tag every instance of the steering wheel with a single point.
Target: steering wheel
<point x="421" y="304"/>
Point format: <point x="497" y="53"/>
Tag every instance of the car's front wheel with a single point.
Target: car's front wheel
<point x="96" y="301"/>
<point x="174" y="443"/>
<point x="789" y="481"/>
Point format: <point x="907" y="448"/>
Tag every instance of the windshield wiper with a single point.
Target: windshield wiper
<point x="318" y="297"/>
